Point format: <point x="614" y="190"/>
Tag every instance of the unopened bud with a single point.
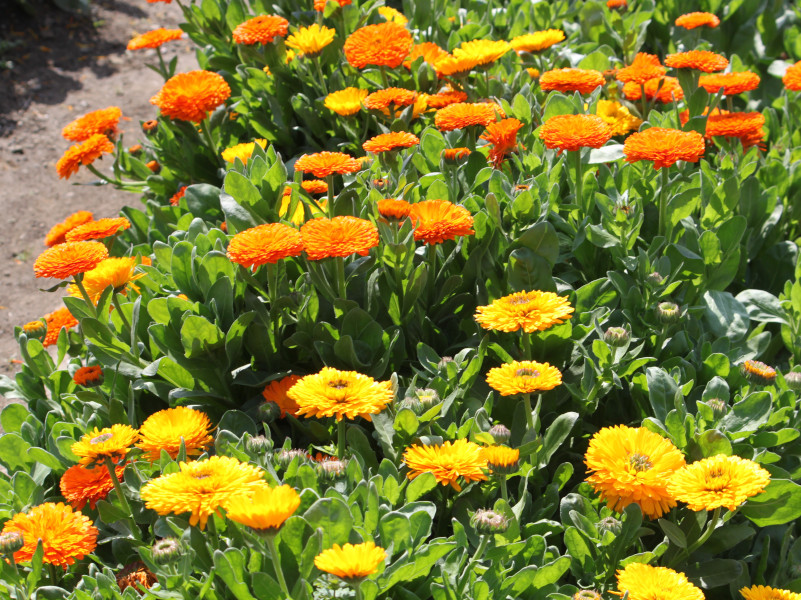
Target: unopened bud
<point x="11" y="542"/>
<point x="35" y="329"/>
<point x="586" y="595"/>
<point x="455" y="156"/>
<point x="616" y="336"/>
<point x="443" y="362"/>
<point x="166" y="551"/>
<point x="489" y="521"/>
<point x="610" y="524"/>
<point x="412" y="403"/>
<point x="427" y="397"/>
<point x="655" y="279"/>
<point x="758" y="372"/>
<point x="718" y="406"/>
<point x="269" y="412"/>
<point x="284" y="457"/>
<point x="150" y="126"/>
<point x="500" y="433"/>
<point x="332" y="468"/>
<point x="380" y="183"/>
<point x="793" y="380"/>
<point x="259" y="444"/>
<point x="668" y="312"/>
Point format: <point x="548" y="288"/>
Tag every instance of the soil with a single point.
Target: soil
<point x="62" y="66"/>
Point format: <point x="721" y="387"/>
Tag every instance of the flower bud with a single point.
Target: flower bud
<point x="489" y="521"/>
<point x="284" y="458"/>
<point x="269" y="412"/>
<point x="35" y="329"/>
<point x="154" y="166"/>
<point x="609" y="524"/>
<point x="500" y="433"/>
<point x="616" y="337"/>
<point x="89" y="376"/>
<point x="655" y="279"/>
<point x="793" y="380"/>
<point x="166" y="551"/>
<point x="427" y="397"/>
<point x="668" y="312"/>
<point x="455" y="156"/>
<point x="758" y="372"/>
<point x="11" y="542"/>
<point x="443" y="362"/>
<point x="718" y="406"/>
<point x="380" y="183"/>
<point x="149" y="127"/>
<point x="135" y="149"/>
<point x="412" y="403"/>
<point x="332" y="468"/>
<point x="259" y="444"/>
<point x="586" y="595"/>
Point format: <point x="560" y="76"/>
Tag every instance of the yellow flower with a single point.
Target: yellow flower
<point x="390" y="14"/>
<point x="633" y="466"/>
<point x="300" y="214"/>
<point x="644" y="582"/>
<point x="617" y="116"/>
<point x="718" y="481"/>
<point x="201" y="488"/>
<point x="501" y="459"/>
<point x="166" y="429"/>
<point x="537" y="41"/>
<point x="351" y="561"/>
<point x="266" y="509"/>
<point x="340" y="393"/>
<point x="242" y="151"/>
<point x="482" y="52"/>
<point x="117" y="272"/>
<point x="523" y="377"/>
<point x="447" y="462"/>
<point x="110" y="442"/>
<point x="529" y="311"/>
<point x="311" y="40"/>
<point x="764" y="592"/>
<point x="346" y="102"/>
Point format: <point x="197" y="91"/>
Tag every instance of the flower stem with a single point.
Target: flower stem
<point x="341" y="438"/>
<point x="340" y="264"/>
<point x="482" y="546"/>
<point x="329" y="179"/>
<point x="208" y="139"/>
<point x="431" y="255"/>
<point x="277" y="565"/>
<point x="504" y="489"/>
<point x="79" y="284"/>
<point x="123" y="500"/>
<point x="526" y="346"/>
<point x="115" y="300"/>
<point x="580" y="185"/>
<point x="644" y="101"/>
<point x="162" y="66"/>
<point x="663" y="192"/>
<point x="529" y="417"/>
<point x="710" y="529"/>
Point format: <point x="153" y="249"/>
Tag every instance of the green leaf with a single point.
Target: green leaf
<point x="420" y="485"/>
<point x="230" y="567"/>
<point x="724" y="315"/>
<point x="333" y="517"/>
<point x="542" y="241"/>
<point x="534" y="578"/>
<point x="673" y="532"/>
<point x="714" y="573"/>
<point x="13" y="452"/>
<point x="555" y="435"/>
<point x="748" y="414"/>
<point x="199" y="336"/>
<point x="12" y="417"/>
<point x="779" y="504"/>
<point x="762" y="306"/>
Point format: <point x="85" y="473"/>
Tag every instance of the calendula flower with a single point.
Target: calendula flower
<point x="792" y="77"/>
<point x="455" y="155"/>
<point x="351" y="562"/>
<point x="617" y="117"/>
<point x="103" y="122"/>
<point x="642" y="68"/>
<point x="276" y="392"/>
<point x="340" y="394"/>
<point x="137" y="576"/>
<point x="436" y="221"/>
<point x="191" y="96"/>
<point x="538" y="40"/>
<point x="644" y="582"/>
<point x="482" y="52"/>
<point x="697" y="19"/>
<point x="390" y="14"/>
<point x="266" y="509"/>
<point x="110" y="442"/>
<point x="463" y="114"/>
<point x="57" y="233"/>
<point x="524" y="377"/>
<point x="80" y="484"/>
<point x="764" y="592"/>
<point x="116" y="272"/>
<point x="340" y="236"/>
<point x="260" y="30"/>
<point x="299" y="217"/>
<point x="311" y="40"/>
<point x="68" y="259"/>
<point x="701" y="60"/>
<point x="88" y="376"/>
<point x="734" y="124"/>
<point x="167" y="429"/>
<point x="447" y="462"/>
<point x="175" y="199"/>
<point x="633" y="466"/>
<point x="65" y="534"/>
<point x="382" y="45"/>
<point x="445" y="98"/>
<point x="346" y="102"/>
<point x="529" y="311"/>
<point x="264" y="244"/>
<point x="718" y="481"/>
<point x="428" y="51"/>
<point x="758" y="372"/>
<point x="155" y="38"/>
<point x="501" y="460"/>
<point x="319" y="5"/>
<point x="452" y="65"/>
<point x="583" y="81"/>
<point x="664" y="146"/>
<point x="83" y="154"/>
<point x="390" y="208"/>
<point x="664" y="90"/>
<point x="35" y="329"/>
<point x="502" y="136"/>
<point x="390" y="97"/>
<point x="573" y="132"/>
<point x="242" y="151"/>
<point x="731" y="83"/>
<point x="613" y="4"/>
<point x="323" y="164"/>
<point x="55" y="322"/>
<point x="202" y="487"/>
<point x="386" y="142"/>
<point x="314" y="186"/>
<point x="97" y="230"/>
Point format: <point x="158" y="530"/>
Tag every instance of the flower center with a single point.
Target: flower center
<point x="103" y="437"/>
<point x="640" y="462"/>
<point x="201" y="475"/>
<point x="338" y="384"/>
<point x="526" y="372"/>
<point x="716" y="480"/>
<point x="518" y="301"/>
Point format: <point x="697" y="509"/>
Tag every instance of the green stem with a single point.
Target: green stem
<point x="272" y="292"/>
<point x="526" y="346"/>
<point x="730" y="103"/>
<point x="340" y="264"/>
<point x="486" y="83"/>
<point x="504" y="489"/>
<point x="51" y="568"/>
<point x="318" y="69"/>
<point x="358" y="589"/>
<point x="128" y="186"/>
<point x="329" y="179"/>
<point x="431" y="255"/>
<point x="384" y="80"/>
<point x="710" y="529"/>
<point x="162" y="66"/>
<point x="341" y="439"/>
<point x="277" y="566"/>
<point x="529" y="417"/>
<point x="208" y="139"/>
<point x="123" y="500"/>
<point x="115" y="300"/>
<point x="580" y="185"/>
<point x="482" y="546"/>
<point x="644" y="102"/>
<point x="79" y="284"/>
<point x="663" y="193"/>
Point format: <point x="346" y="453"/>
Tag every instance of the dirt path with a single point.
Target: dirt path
<point x="62" y="68"/>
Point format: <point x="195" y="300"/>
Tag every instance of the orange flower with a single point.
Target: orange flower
<point x="319" y="5"/>
<point x="68" y="259"/>
<point x="264" y="244"/>
<point x="733" y="124"/>
<point x="455" y="155"/>
<point x="56" y="320"/>
<point x="155" y="38"/>
<point x="175" y="199"/>
<point x="391" y="208"/>
<point x="103" y="121"/>
<point x="583" y="81"/>
<point x="446" y="98"/>
<point x="191" y="96"/>
<point x="573" y="132"/>
<point x="382" y="45"/>
<point x="323" y="164"/>
<point x="428" y="51"/>
<point x="503" y="137"/>
<point x="792" y="77"/>
<point x="340" y="236"/>
<point x="88" y="376"/>
<point x="386" y="142"/>
<point x="612" y="4"/>
<point x="149" y="126"/>
<point x="731" y="83"/>
<point x="137" y="576"/>
<point x="702" y="60"/>
<point x="59" y="230"/>
<point x="438" y="220"/>
<point x="451" y="65"/>
<point x="642" y="68"/>
<point x="538" y="41"/>
<point x="464" y="114"/>
<point x="97" y="230"/>
<point x="383" y="99"/>
<point x="697" y="19"/>
<point x="664" y="146"/>
<point x="83" y="154"/>
<point x="260" y="30"/>
<point x="80" y="484"/>
<point x="665" y="90"/>
<point x="314" y="186"/>
<point x="276" y="390"/>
